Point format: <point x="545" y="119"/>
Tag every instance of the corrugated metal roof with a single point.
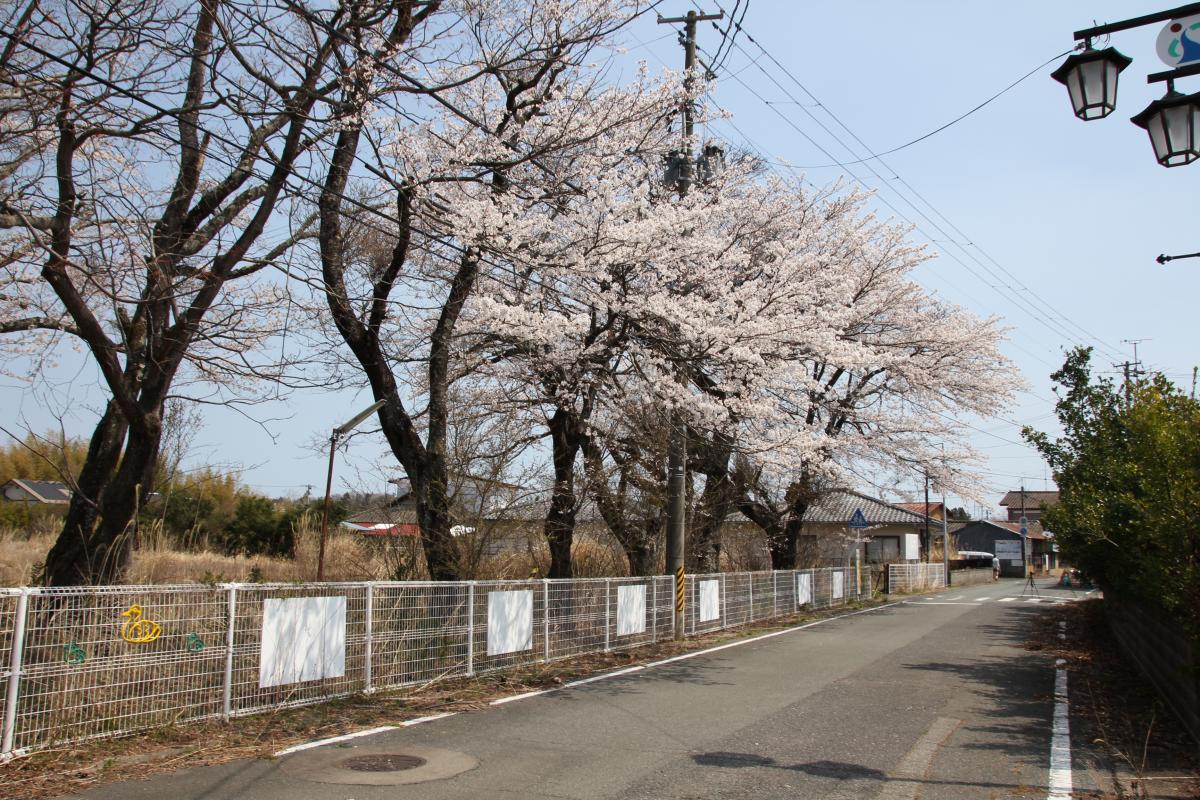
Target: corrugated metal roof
<point x="44" y="491"/>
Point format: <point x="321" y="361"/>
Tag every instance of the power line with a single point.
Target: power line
<point x="1051" y="313"/>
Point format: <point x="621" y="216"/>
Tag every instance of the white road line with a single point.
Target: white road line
<point x="502" y="700"/>
<point x="940" y="603"/>
<point x="332" y="739"/>
<point x="1033" y="599"/>
<point x="408" y="723"/>
<point x="1006" y="599"/>
<point x="1061" y="782"/>
<point x="905" y="779"/>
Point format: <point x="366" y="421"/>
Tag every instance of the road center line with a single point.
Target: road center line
<point x="907" y="776"/>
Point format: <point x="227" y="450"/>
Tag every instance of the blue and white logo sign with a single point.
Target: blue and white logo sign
<point x="1179" y="42"/>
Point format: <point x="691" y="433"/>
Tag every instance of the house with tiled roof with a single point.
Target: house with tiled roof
<point x="1027" y="503"/>
<point x="892" y="533"/>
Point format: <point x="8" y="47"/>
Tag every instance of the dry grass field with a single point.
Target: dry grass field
<point x="348" y="557"/>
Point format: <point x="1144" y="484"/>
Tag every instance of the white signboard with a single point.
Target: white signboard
<point x="631" y="610"/>
<point x="303" y="639"/>
<point x="510" y="622"/>
<point x="710" y="600"/>
<point x="1007" y="549"/>
<point x="1179" y="42"/>
<point x="838" y="584"/>
<point x="912" y="547"/>
<point x="803" y="589"/>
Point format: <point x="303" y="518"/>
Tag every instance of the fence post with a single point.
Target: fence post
<point x="775" y="590"/>
<point x="546" y="618"/>
<point x="14" y="674"/>
<point x="724" y="603"/>
<point x="750" y="581"/>
<point x="370" y="612"/>
<point x="230" y="628"/>
<point x="654" y="610"/>
<point x="830" y="571"/>
<point x="607" y="611"/>
<point x="470" y="628"/>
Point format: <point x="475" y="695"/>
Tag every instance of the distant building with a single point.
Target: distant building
<point x="1005" y="542"/>
<point x="1028" y="504"/>
<point x="20" y="490"/>
<point x="932" y="510"/>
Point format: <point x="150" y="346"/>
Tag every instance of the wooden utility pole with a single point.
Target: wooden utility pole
<point x="677" y="446"/>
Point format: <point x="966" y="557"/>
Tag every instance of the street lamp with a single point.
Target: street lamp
<point x="334" y="438"/>
<point x="1173" y="122"/>
<point x="1091" y="80"/>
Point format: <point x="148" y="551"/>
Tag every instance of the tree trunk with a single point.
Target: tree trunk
<point x="559" y="526"/>
<point x="69" y="561"/>
<point x="716" y="503"/>
<point x="641" y="558"/>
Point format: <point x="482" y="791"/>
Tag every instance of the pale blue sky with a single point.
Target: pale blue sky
<point x="1047" y="221"/>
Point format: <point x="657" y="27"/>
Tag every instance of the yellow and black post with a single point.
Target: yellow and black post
<point x="680" y="583"/>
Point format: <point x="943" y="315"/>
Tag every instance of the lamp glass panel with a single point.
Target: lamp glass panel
<point x="1110" y="84"/>
<point x="1092" y="74"/>
<point x="1075" y="89"/>
<point x="1177" y="123"/>
<point x="1158" y="137"/>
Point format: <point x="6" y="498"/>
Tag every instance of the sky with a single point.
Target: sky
<point x="1051" y="223"/>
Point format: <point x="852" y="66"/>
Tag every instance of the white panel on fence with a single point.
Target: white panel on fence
<point x="803" y="589"/>
<point x="710" y="600"/>
<point x="838" y="585"/>
<point x="510" y="622"/>
<point x="631" y="610"/>
<point x="303" y="639"/>
<point x="912" y="547"/>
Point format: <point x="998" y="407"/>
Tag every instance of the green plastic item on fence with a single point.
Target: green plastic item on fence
<point x="194" y="643"/>
<point x="73" y="654"/>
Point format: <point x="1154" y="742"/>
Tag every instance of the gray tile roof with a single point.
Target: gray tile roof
<point x="1033" y="500"/>
<point x="838" y="505"/>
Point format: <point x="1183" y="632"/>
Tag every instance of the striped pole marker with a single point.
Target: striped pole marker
<point x="680" y="583"/>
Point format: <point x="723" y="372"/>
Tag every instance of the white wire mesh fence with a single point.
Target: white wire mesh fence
<point x="79" y="663"/>
<point x="903" y="578"/>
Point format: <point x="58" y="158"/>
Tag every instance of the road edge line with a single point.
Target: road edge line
<point x="1061" y="779"/>
<point x="296" y="748"/>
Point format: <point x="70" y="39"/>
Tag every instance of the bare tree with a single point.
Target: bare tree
<point x="150" y="151"/>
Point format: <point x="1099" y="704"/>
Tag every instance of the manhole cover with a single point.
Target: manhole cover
<point x="381" y="762"/>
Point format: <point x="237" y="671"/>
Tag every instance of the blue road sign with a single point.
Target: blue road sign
<point x="858" y="519"/>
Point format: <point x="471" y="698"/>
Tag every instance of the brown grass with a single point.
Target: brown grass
<point x="348" y="557"/>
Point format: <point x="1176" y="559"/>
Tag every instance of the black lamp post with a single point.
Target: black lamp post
<point x="1091" y="80"/>
<point x="1172" y="121"/>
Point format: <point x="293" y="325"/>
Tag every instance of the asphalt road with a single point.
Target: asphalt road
<point x="932" y="698"/>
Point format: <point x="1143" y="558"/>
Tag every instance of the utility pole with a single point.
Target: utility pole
<point x="928" y="544"/>
<point x="681" y="169"/>
<point x="1025" y="535"/>
<point x="1132" y="369"/>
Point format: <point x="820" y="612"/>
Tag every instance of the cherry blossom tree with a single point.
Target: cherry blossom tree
<point x="450" y="187"/>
